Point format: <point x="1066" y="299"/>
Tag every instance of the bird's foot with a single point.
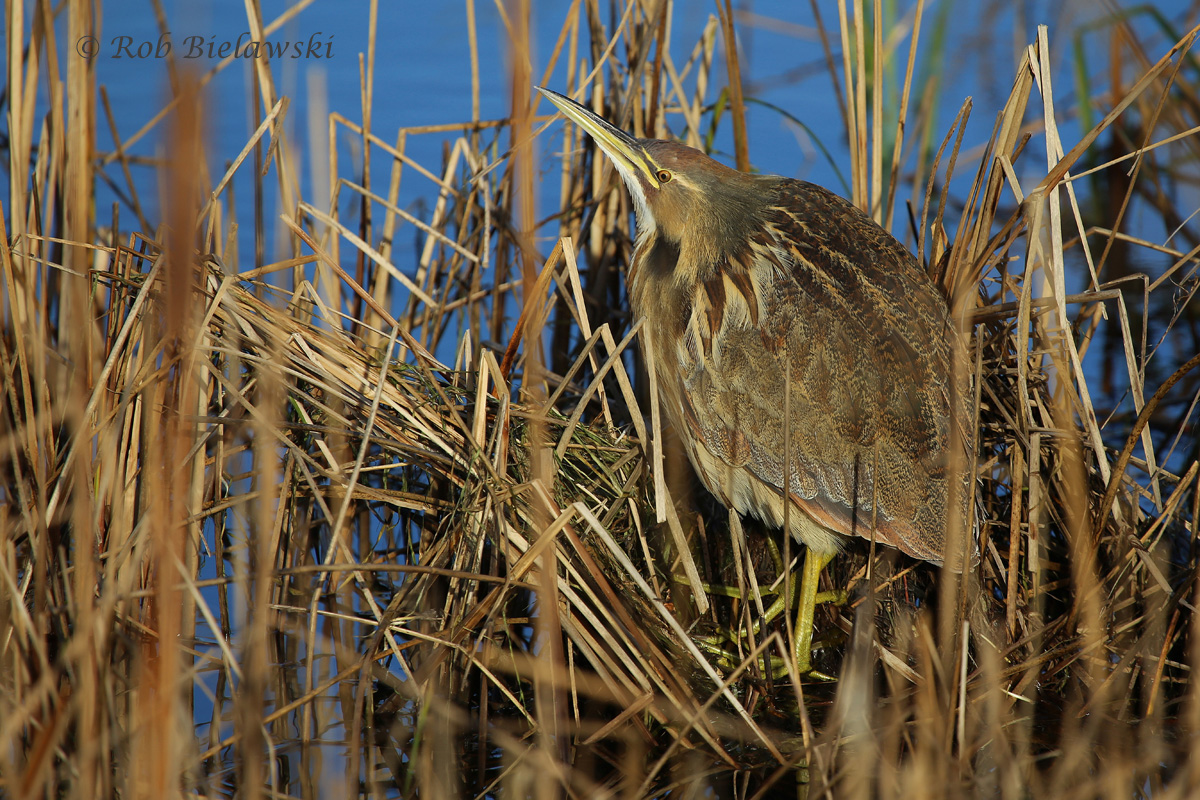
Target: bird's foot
<point x="729" y="648"/>
<point x="837" y="597"/>
<point x="728" y="656"/>
<point x="804" y="668"/>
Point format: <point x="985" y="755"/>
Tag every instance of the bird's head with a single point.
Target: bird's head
<point x="686" y="197"/>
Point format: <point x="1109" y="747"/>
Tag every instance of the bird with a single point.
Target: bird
<point x="802" y="355"/>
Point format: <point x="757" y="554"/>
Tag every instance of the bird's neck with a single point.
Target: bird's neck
<point x="675" y="255"/>
<point x="654" y="289"/>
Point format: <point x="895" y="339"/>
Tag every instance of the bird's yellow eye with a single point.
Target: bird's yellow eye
<point x="663" y="176"/>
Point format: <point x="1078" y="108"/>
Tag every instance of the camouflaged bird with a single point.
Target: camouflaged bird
<point x="757" y="286"/>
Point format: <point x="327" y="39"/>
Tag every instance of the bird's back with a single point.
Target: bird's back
<point x="825" y="312"/>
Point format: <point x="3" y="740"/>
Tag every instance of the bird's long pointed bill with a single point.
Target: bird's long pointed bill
<point x="619" y="146"/>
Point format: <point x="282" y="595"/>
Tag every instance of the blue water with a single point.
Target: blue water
<point x="423" y="77"/>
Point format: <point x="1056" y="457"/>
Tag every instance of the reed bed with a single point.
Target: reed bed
<point x="373" y="521"/>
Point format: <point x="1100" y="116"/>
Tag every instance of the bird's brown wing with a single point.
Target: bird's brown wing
<point x="842" y="320"/>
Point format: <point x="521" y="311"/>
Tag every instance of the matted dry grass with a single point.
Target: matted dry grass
<point x="372" y="535"/>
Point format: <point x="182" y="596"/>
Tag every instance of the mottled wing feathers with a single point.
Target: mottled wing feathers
<point x="842" y="319"/>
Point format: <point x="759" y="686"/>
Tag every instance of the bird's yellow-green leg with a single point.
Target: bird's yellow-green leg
<point x="814" y="562"/>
